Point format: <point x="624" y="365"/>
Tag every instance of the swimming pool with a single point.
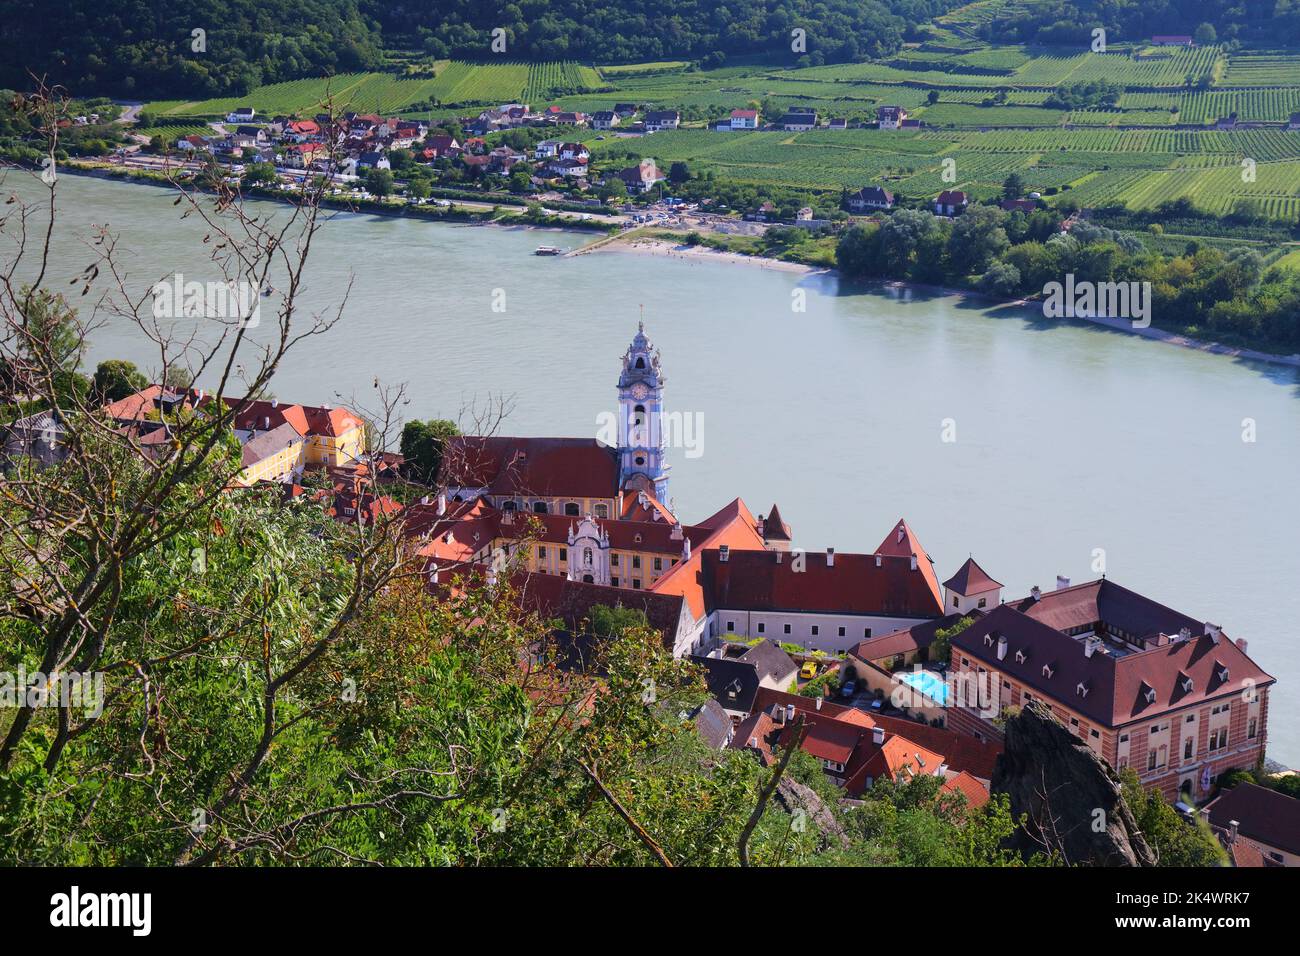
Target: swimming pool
<point x="928" y="683"/>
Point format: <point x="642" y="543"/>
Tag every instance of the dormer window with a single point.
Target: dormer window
<point x="1150" y="695"/>
<point x="1082" y="688"/>
<point x="1221" y="670"/>
<point x="1048" y="671"/>
<point x="988" y="640"/>
<point x="1020" y="656"/>
<point x="1187" y="684"/>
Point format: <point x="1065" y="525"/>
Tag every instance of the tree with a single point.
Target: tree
<point x="1176" y="842"/>
<point x="977" y="239"/>
<point x="932" y="97"/>
<point x="678" y="173"/>
<point x="115" y="379"/>
<point x="378" y="182"/>
<point x="422" y="445"/>
<point x="1013" y="187"/>
<point x="612" y="189"/>
<point x="941" y="644"/>
<point x="1206" y="35"/>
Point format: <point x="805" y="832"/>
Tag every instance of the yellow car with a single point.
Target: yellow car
<point x="808" y="671"/>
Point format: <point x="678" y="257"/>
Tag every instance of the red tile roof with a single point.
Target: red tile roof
<point x="902" y="542"/>
<point x="962" y="752"/>
<point x="774" y="529"/>
<point x="733" y="526"/>
<point x="1265" y="816"/>
<point x="770" y="581"/>
<point x="976" y="793"/>
<point x="1121" y="685"/>
<point x="545" y="467"/>
<point x="971" y="579"/>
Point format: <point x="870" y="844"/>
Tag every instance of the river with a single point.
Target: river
<point x="1068" y="437"/>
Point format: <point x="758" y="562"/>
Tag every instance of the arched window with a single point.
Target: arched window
<point x="539" y="507"/>
<point x="640" y="362"/>
<point x="602" y="511"/>
<point x="638" y="415"/>
<point x="571" y="509"/>
<point x="508" y="506"/>
<point x="587" y="578"/>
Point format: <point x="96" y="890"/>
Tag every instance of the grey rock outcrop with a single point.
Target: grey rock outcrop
<point x="1070" y="797"/>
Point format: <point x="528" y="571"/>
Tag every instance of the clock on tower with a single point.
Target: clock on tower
<point x="641" y="441"/>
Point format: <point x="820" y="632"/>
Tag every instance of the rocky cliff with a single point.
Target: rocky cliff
<point x="1070" y="797"/>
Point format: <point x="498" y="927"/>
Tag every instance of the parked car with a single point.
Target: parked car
<point x="848" y="689"/>
<point x="808" y="671"/>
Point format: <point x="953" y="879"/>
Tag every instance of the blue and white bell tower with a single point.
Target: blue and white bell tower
<point x="641" y="440"/>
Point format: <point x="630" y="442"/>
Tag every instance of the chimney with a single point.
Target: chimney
<point x="830" y="557"/>
<point x="686" y="550"/>
<point x="424" y="500"/>
<point x="275" y="403"/>
<point x="778" y="557"/>
<point x="913" y="562"/>
<point x="676" y="534"/>
<point x="1241" y="644"/>
<point x="1232" y="831"/>
<point x="1002" y="647"/>
<point x="1185" y="634"/>
<point x="433" y="575"/>
<point x="941" y="770"/>
<point x="877" y="735"/>
<point x="819" y="702"/>
<point x="724" y="552"/>
<point x="1089" y="647"/>
<point x="1036" y="593"/>
<point x="1213" y="631"/>
<point x="266" y="422"/>
<point x="1062" y="582"/>
<point x="877" y="560"/>
<point x="789" y="713"/>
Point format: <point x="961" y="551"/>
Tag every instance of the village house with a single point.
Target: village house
<point x="890" y="117"/>
<point x="604" y="119"/>
<point x="440" y="146"/>
<point x="870" y="197"/>
<point x="656" y="120"/>
<point x="642" y="177"/>
<point x="798" y="119"/>
<point x="302" y="155"/>
<point x="1141" y="684"/>
<point x="547" y="149"/>
<point x="241" y="114"/>
<point x="1267" y="819"/>
<point x="838" y="123"/>
<point x="950" y="202"/>
<point x="1173" y="40"/>
<point x="735" y="677"/>
<point x="743" y="120"/>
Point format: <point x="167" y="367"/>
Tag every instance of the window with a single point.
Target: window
<point x="602" y="511"/>
<point x="509" y="506"/>
<point x="614" y="581"/>
<point x="984" y="602"/>
<point x="964" y="661"/>
<point x="866" y="632"/>
<point x="841" y="632"/>
<point x="636" y="561"/>
<point x="586" y="556"/>
<point x="814" y="630"/>
<point x="636" y="584"/>
<point x="571" y="509"/>
<point x="731" y="626"/>
<point x="1151" y="760"/>
<point x="1251" y="728"/>
<point x="564" y="554"/>
<point x="1188" y="744"/>
<point x="956" y="599"/>
<point x="613" y="560"/>
<point x="659" y="564"/>
<point x="541" y="553"/>
<point x="787" y="629"/>
<point x="539" y="507"/>
<point x="761" y="627"/>
<point x="1093" y="733"/>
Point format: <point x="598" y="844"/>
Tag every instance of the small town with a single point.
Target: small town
<point x="447" y="444"/>
<point x="893" y="673"/>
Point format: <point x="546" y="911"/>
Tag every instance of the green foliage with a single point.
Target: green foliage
<point x="422" y="444"/>
<point x="1176" y="842"/>
<point x="115" y="379"/>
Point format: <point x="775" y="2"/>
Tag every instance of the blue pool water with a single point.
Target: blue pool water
<point x="928" y="683"/>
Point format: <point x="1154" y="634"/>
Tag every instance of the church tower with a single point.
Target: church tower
<point x="641" y="441"/>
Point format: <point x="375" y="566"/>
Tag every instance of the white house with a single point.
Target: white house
<point x="744" y="119"/>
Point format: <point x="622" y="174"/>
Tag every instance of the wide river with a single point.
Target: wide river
<point x="1069" y="438"/>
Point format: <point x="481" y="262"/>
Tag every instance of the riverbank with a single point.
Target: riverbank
<point x="662" y="247"/>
